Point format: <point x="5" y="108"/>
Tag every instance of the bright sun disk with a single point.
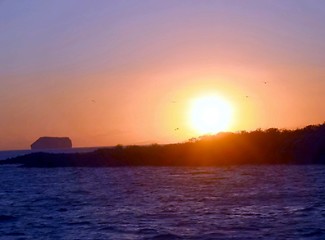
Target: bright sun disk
<point x="210" y="114"/>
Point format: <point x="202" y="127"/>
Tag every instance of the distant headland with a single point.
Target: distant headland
<point x="52" y="143"/>
<point x="271" y="146"/>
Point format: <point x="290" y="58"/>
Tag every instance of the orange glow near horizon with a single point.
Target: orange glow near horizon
<point x="203" y="104"/>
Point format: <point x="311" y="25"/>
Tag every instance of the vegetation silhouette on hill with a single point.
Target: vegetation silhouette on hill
<point x="271" y="146"/>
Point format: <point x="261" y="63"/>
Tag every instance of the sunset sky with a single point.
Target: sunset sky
<point x="125" y="72"/>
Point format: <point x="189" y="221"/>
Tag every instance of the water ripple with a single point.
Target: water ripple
<point x="266" y="202"/>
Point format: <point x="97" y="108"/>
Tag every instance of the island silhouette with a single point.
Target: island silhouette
<point x="52" y="143"/>
<point x="271" y="146"/>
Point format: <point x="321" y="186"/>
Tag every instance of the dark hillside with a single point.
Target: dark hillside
<point x="272" y="146"/>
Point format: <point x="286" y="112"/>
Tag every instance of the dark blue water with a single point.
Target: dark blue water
<point x="15" y="153"/>
<point x="250" y="202"/>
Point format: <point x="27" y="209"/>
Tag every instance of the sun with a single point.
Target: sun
<point x="210" y="114"/>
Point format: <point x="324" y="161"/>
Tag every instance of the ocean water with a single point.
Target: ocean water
<point x="240" y="202"/>
<point x="15" y="153"/>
